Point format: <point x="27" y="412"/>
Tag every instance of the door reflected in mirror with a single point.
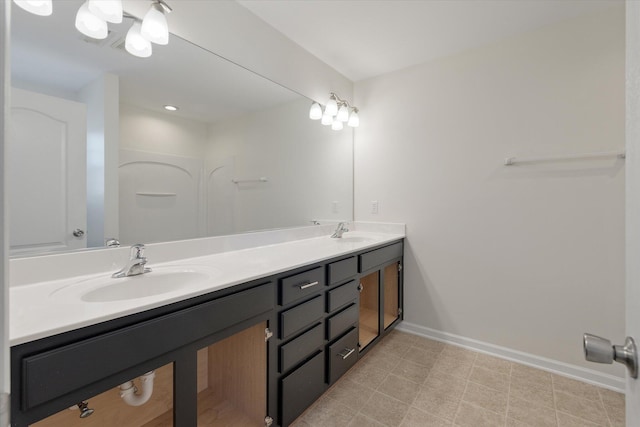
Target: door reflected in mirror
<point x="239" y="154"/>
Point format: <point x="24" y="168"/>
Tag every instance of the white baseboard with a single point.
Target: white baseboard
<point x="590" y="376"/>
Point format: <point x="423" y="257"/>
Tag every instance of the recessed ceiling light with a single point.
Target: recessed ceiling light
<point x="171" y="107"/>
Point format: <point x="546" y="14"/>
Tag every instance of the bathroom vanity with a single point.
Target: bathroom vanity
<point x="253" y="353"/>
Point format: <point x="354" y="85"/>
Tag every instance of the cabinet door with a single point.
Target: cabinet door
<point x="391" y="294"/>
<point x="369" y="325"/>
<point x="109" y="409"/>
<point x="232" y="380"/>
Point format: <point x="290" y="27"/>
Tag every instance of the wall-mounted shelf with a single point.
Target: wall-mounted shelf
<point x="509" y="161"/>
<point x="245" y="181"/>
<point x="150" y="194"/>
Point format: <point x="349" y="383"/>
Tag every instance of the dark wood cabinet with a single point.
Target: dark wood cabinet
<point x="254" y="354"/>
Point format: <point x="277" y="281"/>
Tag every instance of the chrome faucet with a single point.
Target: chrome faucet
<point x="136" y="263"/>
<point x="342" y="227"/>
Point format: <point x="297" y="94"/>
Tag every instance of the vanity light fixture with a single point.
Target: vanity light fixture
<point x="136" y="44"/>
<point x="89" y="24"/>
<point x="107" y="10"/>
<point x="354" y="120"/>
<point x="171" y="108"/>
<point x="154" y="25"/>
<point x="315" y="113"/>
<point x="336" y="113"/>
<point x="332" y="105"/>
<point x="37" y="7"/>
<point x="327" y="119"/>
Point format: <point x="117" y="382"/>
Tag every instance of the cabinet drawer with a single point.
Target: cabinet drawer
<point x="342" y="355"/>
<point x="377" y="257"/>
<point x="293" y="288"/>
<point x="342" y="270"/>
<point x="339" y="323"/>
<point x="301" y="388"/>
<point x="53" y="373"/>
<point x="296" y="350"/>
<point x="341" y="296"/>
<point x="301" y="316"/>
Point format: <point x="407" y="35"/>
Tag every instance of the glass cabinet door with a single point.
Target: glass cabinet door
<point x="109" y="409"/>
<point x="391" y="294"/>
<point x="232" y="380"/>
<point x="369" y="309"/>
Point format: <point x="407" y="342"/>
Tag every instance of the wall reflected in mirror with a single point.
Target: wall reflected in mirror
<point x="94" y="155"/>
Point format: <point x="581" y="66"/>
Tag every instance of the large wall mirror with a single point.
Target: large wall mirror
<point x="94" y="155"/>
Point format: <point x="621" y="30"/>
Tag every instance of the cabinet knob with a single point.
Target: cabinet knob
<point x="360" y="287"/>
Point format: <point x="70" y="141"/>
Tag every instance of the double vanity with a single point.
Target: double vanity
<point x="248" y="336"/>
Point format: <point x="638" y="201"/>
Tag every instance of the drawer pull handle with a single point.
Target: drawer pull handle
<point x="360" y="287"/>
<point x="308" y="285"/>
<point x="349" y="352"/>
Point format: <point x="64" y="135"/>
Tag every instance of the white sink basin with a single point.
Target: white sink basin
<point x="160" y="280"/>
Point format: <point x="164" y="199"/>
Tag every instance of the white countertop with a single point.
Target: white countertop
<point x="46" y="308"/>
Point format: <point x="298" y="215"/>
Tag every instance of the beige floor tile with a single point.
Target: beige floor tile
<point x="493" y="363"/>
<point x="473" y="416"/>
<point x="417" y="418"/>
<point x="566" y="420"/>
<point x="392" y="348"/>
<point x="440" y="402"/>
<point x="351" y="394"/>
<point x="361" y="420"/>
<point x="328" y="413"/>
<point x="616" y="415"/>
<point x="527" y="414"/>
<point x="577" y="388"/>
<point x="612" y="398"/>
<point x="429" y="345"/>
<point x="489" y="378"/>
<point x="400" y="337"/>
<point x="421" y="357"/>
<point x="443" y="381"/>
<point x="458" y="353"/>
<point x="485" y="398"/>
<point x="385" y="410"/>
<point x="515" y="423"/>
<point x="367" y="375"/>
<point x="381" y="359"/>
<point x="530" y="376"/>
<point x="590" y="410"/>
<point x="412" y="371"/>
<point x="459" y="368"/>
<point x="399" y="388"/>
<point x="536" y="396"/>
<point x="300" y="423"/>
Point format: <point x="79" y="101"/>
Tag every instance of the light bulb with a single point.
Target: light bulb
<point x="336" y="125"/>
<point x="154" y="25"/>
<point x="135" y="44"/>
<point x="354" y="120"/>
<point x="332" y="106"/>
<point x="327" y="119"/>
<point x="343" y="113"/>
<point x="315" y="112"/>
<point x="37" y="7"/>
<point x="89" y="24"/>
<point x="107" y="10"/>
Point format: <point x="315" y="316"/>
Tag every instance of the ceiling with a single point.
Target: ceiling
<point x="364" y="38"/>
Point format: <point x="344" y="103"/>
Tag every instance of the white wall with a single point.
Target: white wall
<point x="102" y="99"/>
<point x="526" y="257"/>
<point x="298" y="156"/>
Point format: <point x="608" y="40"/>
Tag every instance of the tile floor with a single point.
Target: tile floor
<point x="407" y="381"/>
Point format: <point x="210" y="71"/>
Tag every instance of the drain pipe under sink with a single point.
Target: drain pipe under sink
<point x="129" y="392"/>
